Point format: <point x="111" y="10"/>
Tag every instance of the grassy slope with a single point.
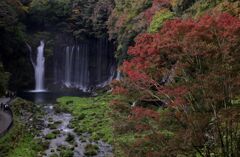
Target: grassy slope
<point x="90" y="115"/>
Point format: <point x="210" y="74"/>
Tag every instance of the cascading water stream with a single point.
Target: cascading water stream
<point x="118" y="77"/>
<point x="68" y="66"/>
<point x="38" y="67"/>
<point x="84" y="65"/>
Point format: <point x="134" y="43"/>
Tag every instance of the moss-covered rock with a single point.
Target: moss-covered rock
<point x="56" y="132"/>
<point x="68" y="152"/>
<point x="50" y="136"/>
<point x="70" y="138"/>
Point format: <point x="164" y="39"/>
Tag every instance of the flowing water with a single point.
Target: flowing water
<point x="53" y="121"/>
<point x="84" y="65"/>
<point x="38" y="66"/>
<point x="118" y="77"/>
<point x="79" y="142"/>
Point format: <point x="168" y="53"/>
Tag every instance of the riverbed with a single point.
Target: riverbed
<point x="63" y="140"/>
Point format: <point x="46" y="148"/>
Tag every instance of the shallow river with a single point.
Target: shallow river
<point x="58" y="133"/>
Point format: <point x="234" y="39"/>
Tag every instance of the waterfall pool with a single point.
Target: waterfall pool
<point x="46" y="96"/>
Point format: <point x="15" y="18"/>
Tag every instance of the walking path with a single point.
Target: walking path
<point x="4" y="100"/>
<point x="5" y="116"/>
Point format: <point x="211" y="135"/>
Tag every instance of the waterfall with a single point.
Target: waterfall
<point x="68" y="66"/>
<point x="118" y="77"/>
<point x="110" y="78"/>
<point x="38" y="67"/>
<point x="85" y="64"/>
<point x="76" y="67"/>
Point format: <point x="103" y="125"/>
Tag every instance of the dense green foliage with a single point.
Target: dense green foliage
<point x="125" y="22"/>
<point x="49" y="14"/>
<point x="79" y="18"/>
<point x="89" y="17"/>
<point x="9" y="13"/>
<point x="13" y="53"/>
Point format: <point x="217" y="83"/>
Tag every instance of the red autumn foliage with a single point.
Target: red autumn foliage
<point x="139" y="113"/>
<point x="119" y="90"/>
<point x="193" y="67"/>
<point x="142" y="127"/>
<point x="181" y="51"/>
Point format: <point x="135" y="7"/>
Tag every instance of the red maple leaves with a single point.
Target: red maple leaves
<point x="180" y="58"/>
<point x="192" y="66"/>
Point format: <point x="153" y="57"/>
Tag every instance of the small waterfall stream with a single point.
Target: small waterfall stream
<point x="118" y="77"/>
<point x="68" y="65"/>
